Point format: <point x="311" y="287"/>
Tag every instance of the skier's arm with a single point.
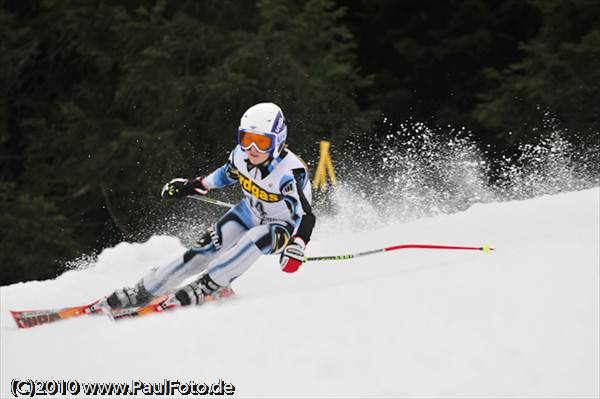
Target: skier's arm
<point x="180" y="188"/>
<point x="305" y="218"/>
<point x="226" y="175"/>
<point x="292" y="256"/>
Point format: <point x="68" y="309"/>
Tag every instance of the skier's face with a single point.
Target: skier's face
<point x="256" y="157"/>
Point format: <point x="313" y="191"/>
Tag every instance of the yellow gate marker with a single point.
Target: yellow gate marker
<point x="324" y="168"/>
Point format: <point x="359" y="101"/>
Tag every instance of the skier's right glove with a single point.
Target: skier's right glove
<point x="179" y="188"/>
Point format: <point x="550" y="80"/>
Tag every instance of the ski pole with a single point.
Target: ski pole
<point x="485" y="248"/>
<point x="212" y="201"/>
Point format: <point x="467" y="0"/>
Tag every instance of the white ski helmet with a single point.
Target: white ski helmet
<point x="263" y="126"/>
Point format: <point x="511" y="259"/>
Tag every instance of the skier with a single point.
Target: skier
<point x="274" y="217"/>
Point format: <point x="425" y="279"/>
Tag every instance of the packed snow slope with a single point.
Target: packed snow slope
<point x="521" y="321"/>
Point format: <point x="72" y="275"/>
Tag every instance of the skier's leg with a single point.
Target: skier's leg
<point x="222" y="236"/>
<point x="195" y="260"/>
<point x="260" y="240"/>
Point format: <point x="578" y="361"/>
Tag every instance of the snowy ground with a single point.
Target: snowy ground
<point x="522" y="321"/>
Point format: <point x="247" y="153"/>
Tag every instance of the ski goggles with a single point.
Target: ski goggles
<point x="263" y="142"/>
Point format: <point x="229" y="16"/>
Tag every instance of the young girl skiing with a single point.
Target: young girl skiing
<point x="274" y="217"/>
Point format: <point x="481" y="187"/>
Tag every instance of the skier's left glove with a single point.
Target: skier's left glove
<point x="179" y="188"/>
<point x="292" y="256"/>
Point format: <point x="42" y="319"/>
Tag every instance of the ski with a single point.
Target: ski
<point x="32" y="318"/>
<point x="163" y="303"/>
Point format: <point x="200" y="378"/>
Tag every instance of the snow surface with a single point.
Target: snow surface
<point x="522" y="321"/>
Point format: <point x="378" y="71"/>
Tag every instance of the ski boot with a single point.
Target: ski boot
<point x="129" y="297"/>
<point x="196" y="292"/>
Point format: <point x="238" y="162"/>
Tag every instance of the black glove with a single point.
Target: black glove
<point x="179" y="188"/>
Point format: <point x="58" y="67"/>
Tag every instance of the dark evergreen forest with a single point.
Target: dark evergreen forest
<point x="103" y="101"/>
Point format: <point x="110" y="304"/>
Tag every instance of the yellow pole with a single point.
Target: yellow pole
<point x="324" y="167"/>
<point x="330" y="170"/>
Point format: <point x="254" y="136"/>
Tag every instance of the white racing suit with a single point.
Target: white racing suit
<point x="276" y="207"/>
